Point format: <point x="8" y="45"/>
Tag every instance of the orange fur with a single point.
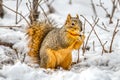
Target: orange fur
<point x="62" y="57"/>
<point x="52" y="47"/>
<point x="34" y="32"/>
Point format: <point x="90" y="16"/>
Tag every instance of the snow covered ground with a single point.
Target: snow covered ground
<point x="92" y="66"/>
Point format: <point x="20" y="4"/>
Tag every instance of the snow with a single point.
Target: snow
<point x="92" y="66"/>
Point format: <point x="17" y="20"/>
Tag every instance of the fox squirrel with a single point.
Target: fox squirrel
<point x="51" y="47"/>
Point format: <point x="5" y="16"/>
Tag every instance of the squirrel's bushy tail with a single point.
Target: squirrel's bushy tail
<point x="36" y="32"/>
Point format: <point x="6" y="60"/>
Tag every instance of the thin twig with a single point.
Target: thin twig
<point x="17" y="13"/>
<point x="103" y="50"/>
<point x="114" y="2"/>
<point x="114" y="33"/>
<point x="101" y="5"/>
<point x="100" y="26"/>
<point x="93" y="7"/>
<point x="78" y="59"/>
<point x="83" y="47"/>
<point x="16" y="18"/>
<point x="95" y="34"/>
<point x="19" y="3"/>
<point x="103" y="28"/>
<point x="28" y="7"/>
<point x="8" y="26"/>
<point x="33" y="9"/>
<point x="93" y="45"/>
<point x="16" y="53"/>
<point x="90" y="31"/>
<point x="104" y="25"/>
<point x="22" y="18"/>
<point x="84" y="26"/>
<point x="24" y="56"/>
<point x="45" y="14"/>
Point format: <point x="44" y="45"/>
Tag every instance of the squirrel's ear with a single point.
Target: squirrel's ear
<point x="68" y="18"/>
<point x="77" y="16"/>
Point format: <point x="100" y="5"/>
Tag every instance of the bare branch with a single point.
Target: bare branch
<point x="93" y="7"/>
<point x="103" y="28"/>
<point x="28" y="7"/>
<point x="45" y="14"/>
<point x="114" y="7"/>
<point x="84" y="26"/>
<point x="24" y="56"/>
<point x="6" y="44"/>
<point x="93" y="45"/>
<point x="100" y="26"/>
<point x="8" y="26"/>
<point x="95" y="33"/>
<point x="16" y="18"/>
<point x="78" y="59"/>
<point x="114" y="2"/>
<point x="114" y="33"/>
<point x="101" y="5"/>
<point x="22" y="18"/>
<point x="84" y="49"/>
<point x="103" y="50"/>
<point x="17" y="13"/>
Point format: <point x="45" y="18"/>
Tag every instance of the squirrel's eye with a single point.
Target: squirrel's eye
<point x="73" y="24"/>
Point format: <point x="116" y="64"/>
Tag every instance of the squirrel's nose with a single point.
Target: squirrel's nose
<point x="75" y="28"/>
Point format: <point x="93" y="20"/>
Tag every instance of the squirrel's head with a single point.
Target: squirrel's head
<point x="73" y="25"/>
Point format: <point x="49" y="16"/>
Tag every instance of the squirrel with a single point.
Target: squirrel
<point x="52" y="47"/>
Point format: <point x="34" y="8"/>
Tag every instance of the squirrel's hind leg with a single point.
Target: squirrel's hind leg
<point x="66" y="64"/>
<point x="48" y="59"/>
